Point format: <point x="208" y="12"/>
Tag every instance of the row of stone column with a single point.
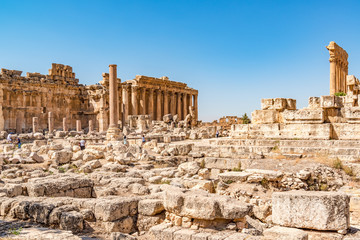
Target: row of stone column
<point x="35" y="123"/>
<point x="156" y="102"/>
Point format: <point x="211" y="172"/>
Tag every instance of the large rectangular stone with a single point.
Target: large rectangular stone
<point x="304" y="116"/>
<point x="312" y="210"/>
<point x="284" y="233"/>
<point x="264" y="116"/>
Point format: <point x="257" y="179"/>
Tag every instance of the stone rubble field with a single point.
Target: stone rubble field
<point x="182" y="184"/>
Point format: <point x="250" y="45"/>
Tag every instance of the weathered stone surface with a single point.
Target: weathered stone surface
<point x="108" y="209"/>
<point x="64" y="185"/>
<point x="313" y="210"/>
<point x="150" y="207"/>
<point x="284" y="233"/>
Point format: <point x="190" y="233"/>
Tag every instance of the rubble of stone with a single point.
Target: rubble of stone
<point x="159" y="174"/>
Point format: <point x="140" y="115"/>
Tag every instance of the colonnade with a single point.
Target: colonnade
<point x="138" y="100"/>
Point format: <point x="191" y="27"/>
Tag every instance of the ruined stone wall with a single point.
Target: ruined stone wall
<point x="23" y="98"/>
<point x="35" y="95"/>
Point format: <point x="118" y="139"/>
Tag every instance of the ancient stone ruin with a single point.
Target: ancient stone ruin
<point x="130" y="160"/>
<point x="36" y="95"/>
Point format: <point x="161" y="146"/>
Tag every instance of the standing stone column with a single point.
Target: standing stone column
<point x="151" y="104"/>
<point x="134" y="101"/>
<point x="78" y="125"/>
<point x="158" y="105"/>
<point x="332" y="76"/>
<point x="125" y="102"/>
<point x="113" y="132"/>
<point x="196" y="107"/>
<point x="91" y="126"/>
<point x="185" y="103"/>
<point x="65" y="128"/>
<point x="190" y="101"/>
<point x="179" y="106"/>
<point x="166" y="102"/>
<point x="50" y="122"/>
<point x="35" y="123"/>
<point x="173" y="103"/>
<point x="143" y="104"/>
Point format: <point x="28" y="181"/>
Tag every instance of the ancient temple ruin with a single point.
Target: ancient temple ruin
<point x="338" y="68"/>
<point x="26" y="101"/>
<point x="325" y="117"/>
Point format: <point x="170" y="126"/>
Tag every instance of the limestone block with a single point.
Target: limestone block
<point x="72" y="221"/>
<point x="346" y="131"/>
<point x="125" y="225"/>
<point x="291" y="104"/>
<point x="280" y="104"/>
<point x="184" y="234"/>
<point x="221" y="163"/>
<point x="269" y="175"/>
<point x="264" y="116"/>
<point x="352" y="114"/>
<point x="305" y="131"/>
<point x="331" y="102"/>
<point x="312" y="210"/>
<point x="284" y="233"/>
<point x="71" y="186"/>
<point x="304" y="116"/>
<point x="267" y="103"/>
<point x="144" y="223"/>
<point x="314" y="102"/>
<point x="115" y="209"/>
<point x="150" y="207"/>
<point x="234" y="176"/>
<point x="61" y="157"/>
<point x="264" y="130"/>
<point x="351" y="80"/>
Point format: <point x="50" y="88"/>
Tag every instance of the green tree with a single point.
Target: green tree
<point x="245" y="119"/>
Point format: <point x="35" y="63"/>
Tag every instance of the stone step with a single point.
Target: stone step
<point x="167" y="232"/>
<point x="289" y="143"/>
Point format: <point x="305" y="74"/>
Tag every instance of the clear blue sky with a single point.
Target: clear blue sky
<point x="233" y="52"/>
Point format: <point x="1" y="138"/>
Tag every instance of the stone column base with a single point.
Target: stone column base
<point x="113" y="134"/>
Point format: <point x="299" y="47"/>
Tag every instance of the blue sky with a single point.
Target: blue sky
<point x="233" y="52"/>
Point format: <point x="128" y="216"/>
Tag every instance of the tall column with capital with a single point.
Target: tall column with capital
<point x="113" y="132"/>
<point x="179" y="106"/>
<point x="134" y="100"/>
<point x="158" y="105"/>
<point x="166" y="102"/>
<point x="151" y="104"/>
